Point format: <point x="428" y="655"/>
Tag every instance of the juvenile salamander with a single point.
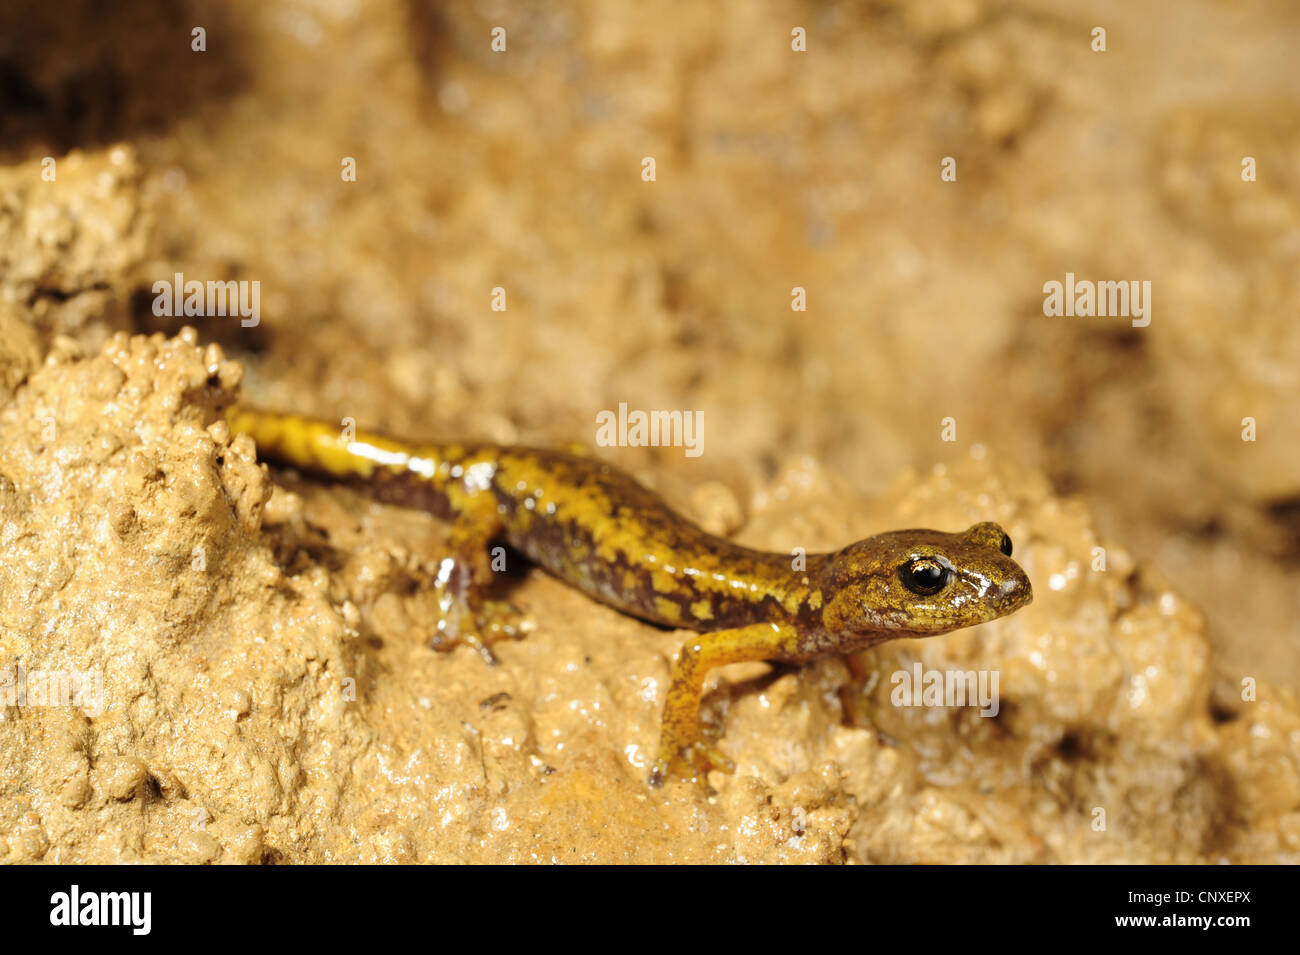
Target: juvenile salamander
<point x="597" y="529"/>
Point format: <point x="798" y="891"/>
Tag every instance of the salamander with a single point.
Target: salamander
<point x="597" y="529"/>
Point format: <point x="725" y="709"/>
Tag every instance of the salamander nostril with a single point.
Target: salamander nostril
<point x="1017" y="592"/>
<point x="1006" y="545"/>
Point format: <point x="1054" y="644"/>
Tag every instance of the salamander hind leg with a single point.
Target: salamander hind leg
<point x="682" y="751"/>
<point x="465" y="615"/>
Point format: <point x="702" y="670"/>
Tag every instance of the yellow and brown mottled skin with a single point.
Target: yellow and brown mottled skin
<point x="597" y="529"/>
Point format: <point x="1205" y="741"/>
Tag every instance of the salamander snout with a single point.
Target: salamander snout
<point x="1008" y="586"/>
<point x="1013" y="592"/>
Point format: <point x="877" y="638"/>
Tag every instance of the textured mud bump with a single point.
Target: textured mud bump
<point x="70" y="245"/>
<point x="129" y="552"/>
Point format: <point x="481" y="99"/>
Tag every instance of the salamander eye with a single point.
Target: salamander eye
<point x="924" y="576"/>
<point x="1006" y="545"/>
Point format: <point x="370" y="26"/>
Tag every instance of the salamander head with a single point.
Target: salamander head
<point x="921" y="582"/>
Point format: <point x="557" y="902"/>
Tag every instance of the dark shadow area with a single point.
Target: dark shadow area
<point x="429" y="38"/>
<point x="86" y="73"/>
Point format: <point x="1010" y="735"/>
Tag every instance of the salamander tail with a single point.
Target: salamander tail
<point x="320" y="446"/>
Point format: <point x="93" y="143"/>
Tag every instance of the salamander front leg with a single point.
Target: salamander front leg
<point x="682" y="752"/>
<point x="465" y="615"/>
